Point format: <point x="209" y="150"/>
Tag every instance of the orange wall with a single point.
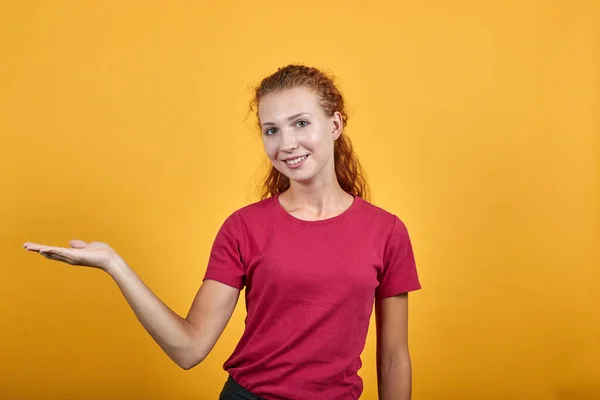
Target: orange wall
<point x="477" y="123"/>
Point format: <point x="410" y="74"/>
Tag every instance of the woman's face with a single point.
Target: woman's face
<point x="297" y="135"/>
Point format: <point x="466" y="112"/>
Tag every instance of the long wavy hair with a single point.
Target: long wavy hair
<point x="348" y="170"/>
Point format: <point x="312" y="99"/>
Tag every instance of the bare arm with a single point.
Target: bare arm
<point x="187" y="341"/>
<point x="394" y="370"/>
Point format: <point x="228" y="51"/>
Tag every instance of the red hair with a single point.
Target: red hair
<point x="347" y="167"/>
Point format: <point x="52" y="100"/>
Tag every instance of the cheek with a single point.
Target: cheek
<point x="270" y="147"/>
<point x="319" y="141"/>
<point x="311" y="139"/>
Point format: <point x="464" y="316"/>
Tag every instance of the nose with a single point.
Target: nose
<point x="288" y="142"/>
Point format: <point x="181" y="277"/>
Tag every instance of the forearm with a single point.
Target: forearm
<point x="174" y="334"/>
<point x="394" y="378"/>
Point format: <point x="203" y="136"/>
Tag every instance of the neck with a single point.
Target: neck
<point x="315" y="201"/>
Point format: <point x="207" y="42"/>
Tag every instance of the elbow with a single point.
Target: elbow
<point x="187" y="353"/>
<point x="187" y="363"/>
<point x="187" y="360"/>
<point x="186" y="366"/>
<point x="389" y="360"/>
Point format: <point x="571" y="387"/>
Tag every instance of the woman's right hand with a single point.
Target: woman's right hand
<point x="94" y="254"/>
<point x="187" y="341"/>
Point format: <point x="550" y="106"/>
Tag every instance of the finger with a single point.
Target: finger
<point x="32" y="246"/>
<point x="56" y="257"/>
<point x="78" y="244"/>
<point x="58" y="254"/>
<point x="53" y="251"/>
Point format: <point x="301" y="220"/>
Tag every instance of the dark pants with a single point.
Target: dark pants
<point x="233" y="391"/>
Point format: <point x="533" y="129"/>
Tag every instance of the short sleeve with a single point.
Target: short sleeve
<point x="399" y="272"/>
<point x="225" y="263"/>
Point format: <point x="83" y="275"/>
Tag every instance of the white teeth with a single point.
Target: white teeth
<point x="296" y="160"/>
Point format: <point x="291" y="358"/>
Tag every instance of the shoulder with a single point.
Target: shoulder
<point x="241" y="221"/>
<point x="255" y="209"/>
<point x="378" y="214"/>
<point x="251" y="214"/>
<point x="388" y="224"/>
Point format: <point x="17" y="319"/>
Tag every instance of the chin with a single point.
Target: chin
<point x="302" y="178"/>
<point x="297" y="176"/>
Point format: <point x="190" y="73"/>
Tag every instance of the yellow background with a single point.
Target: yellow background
<point x="476" y="122"/>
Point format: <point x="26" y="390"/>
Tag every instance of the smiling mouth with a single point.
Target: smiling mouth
<point x="296" y="161"/>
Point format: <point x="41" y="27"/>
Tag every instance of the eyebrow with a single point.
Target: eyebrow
<point x="289" y="119"/>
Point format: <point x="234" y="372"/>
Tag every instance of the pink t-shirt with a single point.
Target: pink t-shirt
<point x="310" y="290"/>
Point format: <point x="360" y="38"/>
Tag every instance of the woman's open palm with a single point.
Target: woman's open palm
<point x="93" y="254"/>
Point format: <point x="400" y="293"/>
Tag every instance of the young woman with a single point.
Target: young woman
<point x="313" y="255"/>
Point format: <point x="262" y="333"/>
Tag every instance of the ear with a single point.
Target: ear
<point x="337" y="125"/>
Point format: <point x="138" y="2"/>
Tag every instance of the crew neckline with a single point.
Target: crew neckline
<point x="320" y="222"/>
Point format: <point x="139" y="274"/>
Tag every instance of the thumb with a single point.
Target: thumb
<point x="78" y="244"/>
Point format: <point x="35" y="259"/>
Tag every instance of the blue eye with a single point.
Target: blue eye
<point x="267" y="132"/>
<point x="302" y="122"/>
